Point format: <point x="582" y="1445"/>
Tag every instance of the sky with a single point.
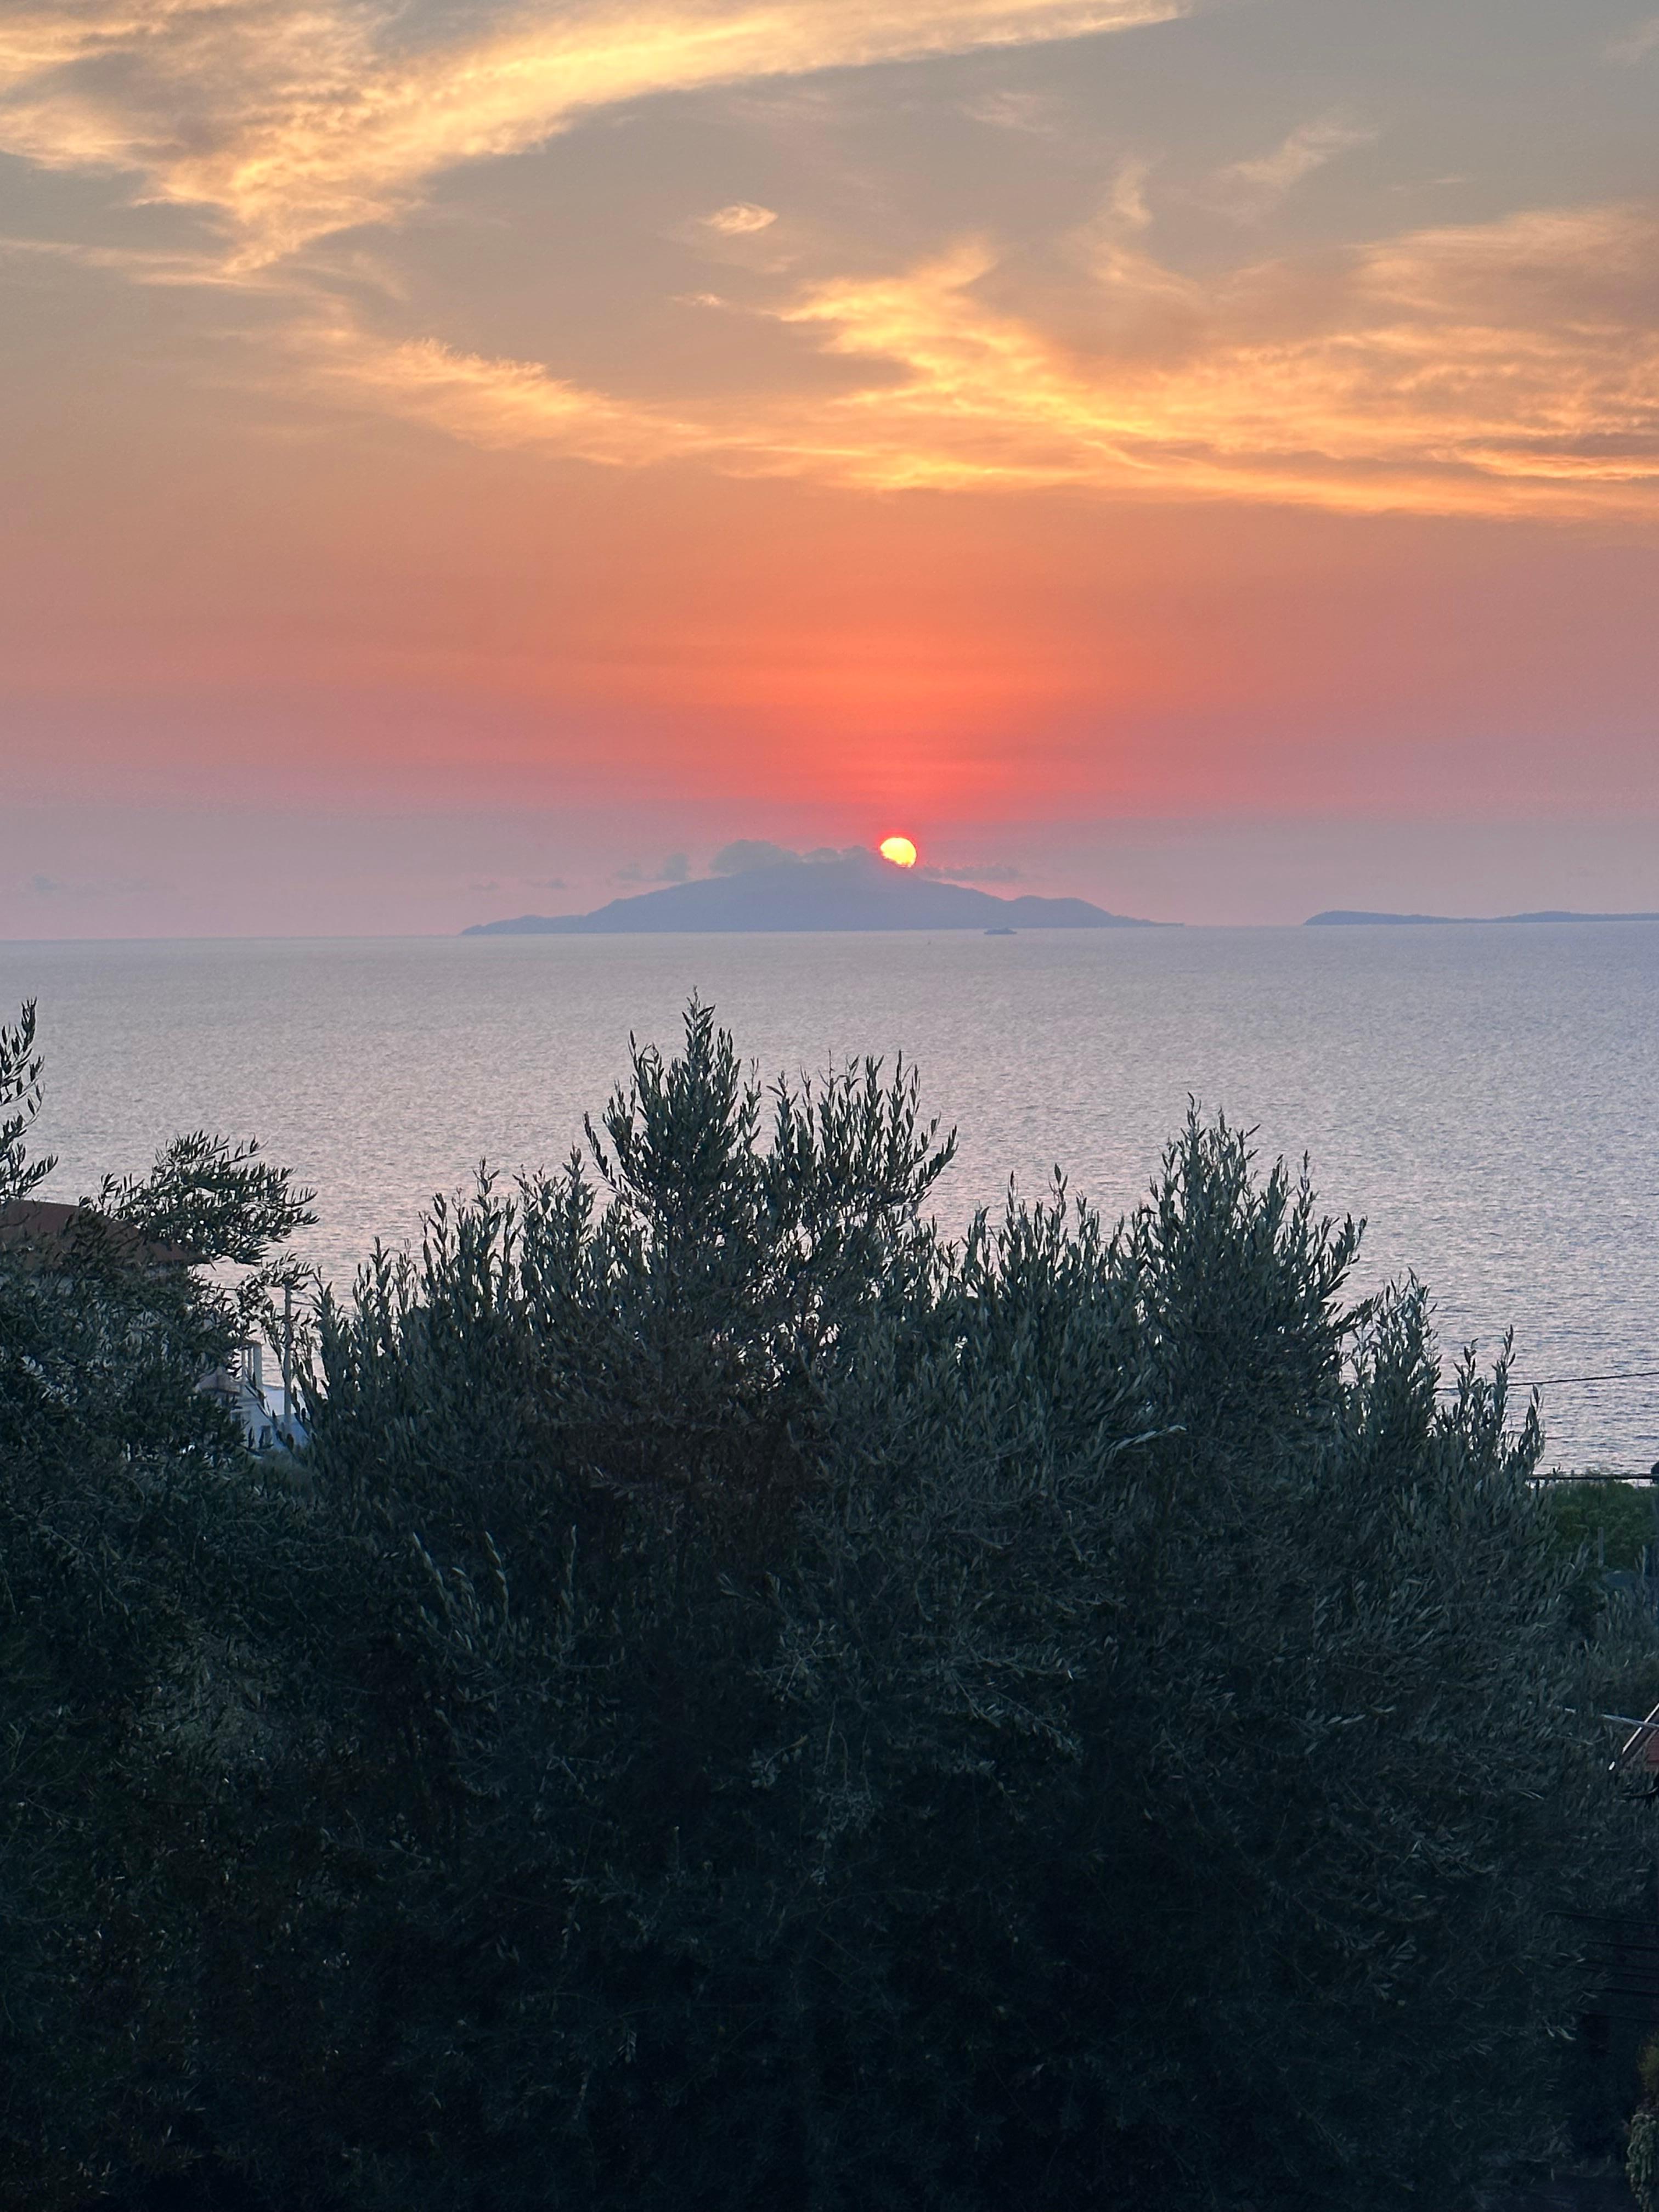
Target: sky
<point x="459" y="460"/>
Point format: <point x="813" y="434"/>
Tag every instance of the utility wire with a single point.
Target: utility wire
<point x="1560" y="1382"/>
<point x="1554" y="1381"/>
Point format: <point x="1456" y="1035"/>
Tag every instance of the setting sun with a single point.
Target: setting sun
<point x="900" y="851"/>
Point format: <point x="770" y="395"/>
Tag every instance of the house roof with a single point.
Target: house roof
<point x="45" y="1231"/>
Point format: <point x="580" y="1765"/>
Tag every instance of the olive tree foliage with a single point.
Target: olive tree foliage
<point x="109" y="1321"/>
<point x="21" y="1068"/>
<point x="747" y="1703"/>
<point x="1254" y="1697"/>
<point x="132" y="1544"/>
<point x="832" y="1718"/>
<point x="1597" y="1514"/>
<point x="562" y="1455"/>
<point x="664" y="1323"/>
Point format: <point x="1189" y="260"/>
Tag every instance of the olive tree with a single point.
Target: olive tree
<point x="747" y="1702"/>
<point x="135" y="1546"/>
<point x="847" y="1719"/>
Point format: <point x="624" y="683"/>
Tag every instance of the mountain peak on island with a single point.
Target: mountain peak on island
<point x="850" y="892"/>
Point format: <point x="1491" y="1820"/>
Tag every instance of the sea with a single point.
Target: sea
<point x="1487" y="1097"/>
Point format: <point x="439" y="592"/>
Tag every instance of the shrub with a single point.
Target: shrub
<point x="139" y="1563"/>
<point x="1621" y="1515"/>
<point x="842" y="1720"/>
<point x="753" y="1705"/>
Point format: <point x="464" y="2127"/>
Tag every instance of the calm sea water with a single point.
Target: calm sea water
<point x="1487" y="1097"/>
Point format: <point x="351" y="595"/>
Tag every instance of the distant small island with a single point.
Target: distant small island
<point x="1341" y="917"/>
<point x="848" y="892"/>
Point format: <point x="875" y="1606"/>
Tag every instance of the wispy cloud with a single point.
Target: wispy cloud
<point x="1489" y="368"/>
<point x="1634" y="45"/>
<point x="1035" y="113"/>
<point x="741" y="220"/>
<point x="137" y="265"/>
<point x="745" y="853"/>
<point x="676" y="869"/>
<point x="56" y="887"/>
<point x="289" y="119"/>
<point x="973" y="872"/>
<point x="1126" y="207"/>
<point x="1249" y="190"/>
<point x="489" y="403"/>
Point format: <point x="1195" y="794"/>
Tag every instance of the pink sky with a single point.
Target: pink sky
<point x="1202" y="457"/>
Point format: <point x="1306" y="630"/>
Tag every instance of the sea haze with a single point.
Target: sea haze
<point x="1486" y="1095"/>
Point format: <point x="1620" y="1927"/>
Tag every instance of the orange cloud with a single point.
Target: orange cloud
<point x="1490" y="369"/>
<point x="1249" y="189"/>
<point x="293" y="119"/>
<point x="491" y="404"/>
<point x="1510" y="367"/>
<point x="1486" y="369"/>
<point x="741" y="220"/>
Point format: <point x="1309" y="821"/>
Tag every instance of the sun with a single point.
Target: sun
<point x="900" y="851"/>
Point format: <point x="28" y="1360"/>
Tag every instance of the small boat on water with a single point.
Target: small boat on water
<point x="1003" y="932"/>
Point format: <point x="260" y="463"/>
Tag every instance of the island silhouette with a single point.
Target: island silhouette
<point x="851" y="891"/>
<point x="1344" y="917"/>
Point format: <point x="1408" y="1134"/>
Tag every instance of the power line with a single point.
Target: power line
<point x="1554" y="1381"/>
<point x="1564" y="1382"/>
<point x="1560" y="1382"/>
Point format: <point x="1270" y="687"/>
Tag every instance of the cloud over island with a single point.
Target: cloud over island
<point x="745" y="853"/>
